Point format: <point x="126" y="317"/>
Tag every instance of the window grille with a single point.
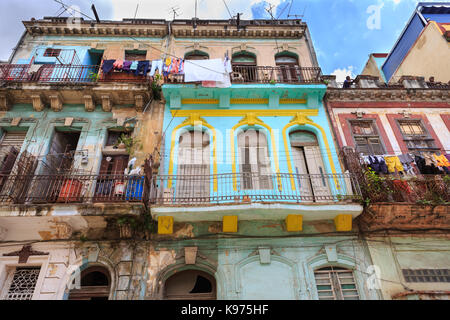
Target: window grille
<point x="336" y="284"/>
<point x="52" y="52"/>
<point x="415" y="135"/>
<point x="23" y="283"/>
<point x="426" y="275"/>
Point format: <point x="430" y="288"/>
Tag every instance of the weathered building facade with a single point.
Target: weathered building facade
<point x="237" y="182"/>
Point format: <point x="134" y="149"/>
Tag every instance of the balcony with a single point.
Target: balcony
<point x="270" y="75"/>
<point x="244" y="188"/>
<point x="50" y="73"/>
<point x="254" y="197"/>
<point x="74" y="189"/>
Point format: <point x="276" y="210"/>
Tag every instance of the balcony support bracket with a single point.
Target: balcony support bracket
<point x="56" y="102"/>
<point x="89" y="104"/>
<point x="38" y="102"/>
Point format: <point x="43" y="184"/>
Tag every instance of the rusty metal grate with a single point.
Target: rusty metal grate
<point x="426" y="275"/>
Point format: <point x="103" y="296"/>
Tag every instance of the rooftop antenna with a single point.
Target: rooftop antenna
<point x="95" y="13"/>
<point x="174" y="10"/>
<point x="271" y="6"/>
<point x="135" y="14"/>
<point x="296" y="16"/>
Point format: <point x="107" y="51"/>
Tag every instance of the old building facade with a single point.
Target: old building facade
<point x="211" y="159"/>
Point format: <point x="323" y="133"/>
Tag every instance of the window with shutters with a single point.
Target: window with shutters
<point x="254" y="160"/>
<point x="288" y="67"/>
<point x="21" y="283"/>
<point x="193" y="175"/>
<point x="415" y="136"/>
<point x="366" y="137"/>
<point x="334" y="283"/>
<point x="10" y="146"/>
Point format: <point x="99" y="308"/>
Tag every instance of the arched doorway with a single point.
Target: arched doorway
<point x="190" y="285"/>
<point x="289" y="67"/>
<point x="309" y="168"/>
<point x="95" y="285"/>
<point x="244" y="64"/>
<point x="193" y="173"/>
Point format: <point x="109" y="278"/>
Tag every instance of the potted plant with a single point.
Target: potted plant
<point x="125" y="142"/>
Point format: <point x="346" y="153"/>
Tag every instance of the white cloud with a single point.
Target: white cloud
<point x="341" y="74"/>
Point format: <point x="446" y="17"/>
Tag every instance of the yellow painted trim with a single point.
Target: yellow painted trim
<point x="249" y="101"/>
<point x="250" y="119"/>
<point x="243" y="113"/>
<point x="193" y="120"/>
<point x="293" y="101"/>
<point x="199" y="101"/>
<point x="301" y="120"/>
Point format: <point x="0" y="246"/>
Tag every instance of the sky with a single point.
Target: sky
<point x="344" y="32"/>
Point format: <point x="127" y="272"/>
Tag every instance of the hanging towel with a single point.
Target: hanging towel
<point x="134" y="66"/>
<point x="118" y="65"/>
<point x="204" y="70"/>
<point x="441" y="160"/>
<point x="156" y="65"/>
<point x="127" y="66"/>
<point x="108" y="65"/>
<point x="406" y="161"/>
<point x="393" y="163"/>
<point x="143" y="67"/>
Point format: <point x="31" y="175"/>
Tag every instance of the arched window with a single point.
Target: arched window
<point x="289" y="68"/>
<point x="334" y="283"/>
<point x="196" y="55"/>
<point x="308" y="166"/>
<point x="95" y="285"/>
<point x="193" y="176"/>
<point x="254" y="160"/>
<point x="244" y="64"/>
<point x="190" y="285"/>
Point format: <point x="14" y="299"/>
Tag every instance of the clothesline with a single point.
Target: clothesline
<point x="407" y="163"/>
<point x="204" y="71"/>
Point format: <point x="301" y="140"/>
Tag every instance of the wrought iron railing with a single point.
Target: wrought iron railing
<point x="261" y="74"/>
<point x="252" y="187"/>
<point x="44" y="189"/>
<point x="49" y="73"/>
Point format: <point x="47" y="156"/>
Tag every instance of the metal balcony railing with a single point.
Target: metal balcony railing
<point x="261" y="74"/>
<point x="49" y="73"/>
<point x="252" y="187"/>
<point x="45" y="189"/>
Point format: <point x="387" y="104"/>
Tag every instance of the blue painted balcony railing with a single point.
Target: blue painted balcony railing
<point x="252" y="187"/>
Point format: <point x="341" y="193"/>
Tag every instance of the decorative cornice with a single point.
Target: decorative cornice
<point x="288" y="29"/>
<point x="388" y="94"/>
